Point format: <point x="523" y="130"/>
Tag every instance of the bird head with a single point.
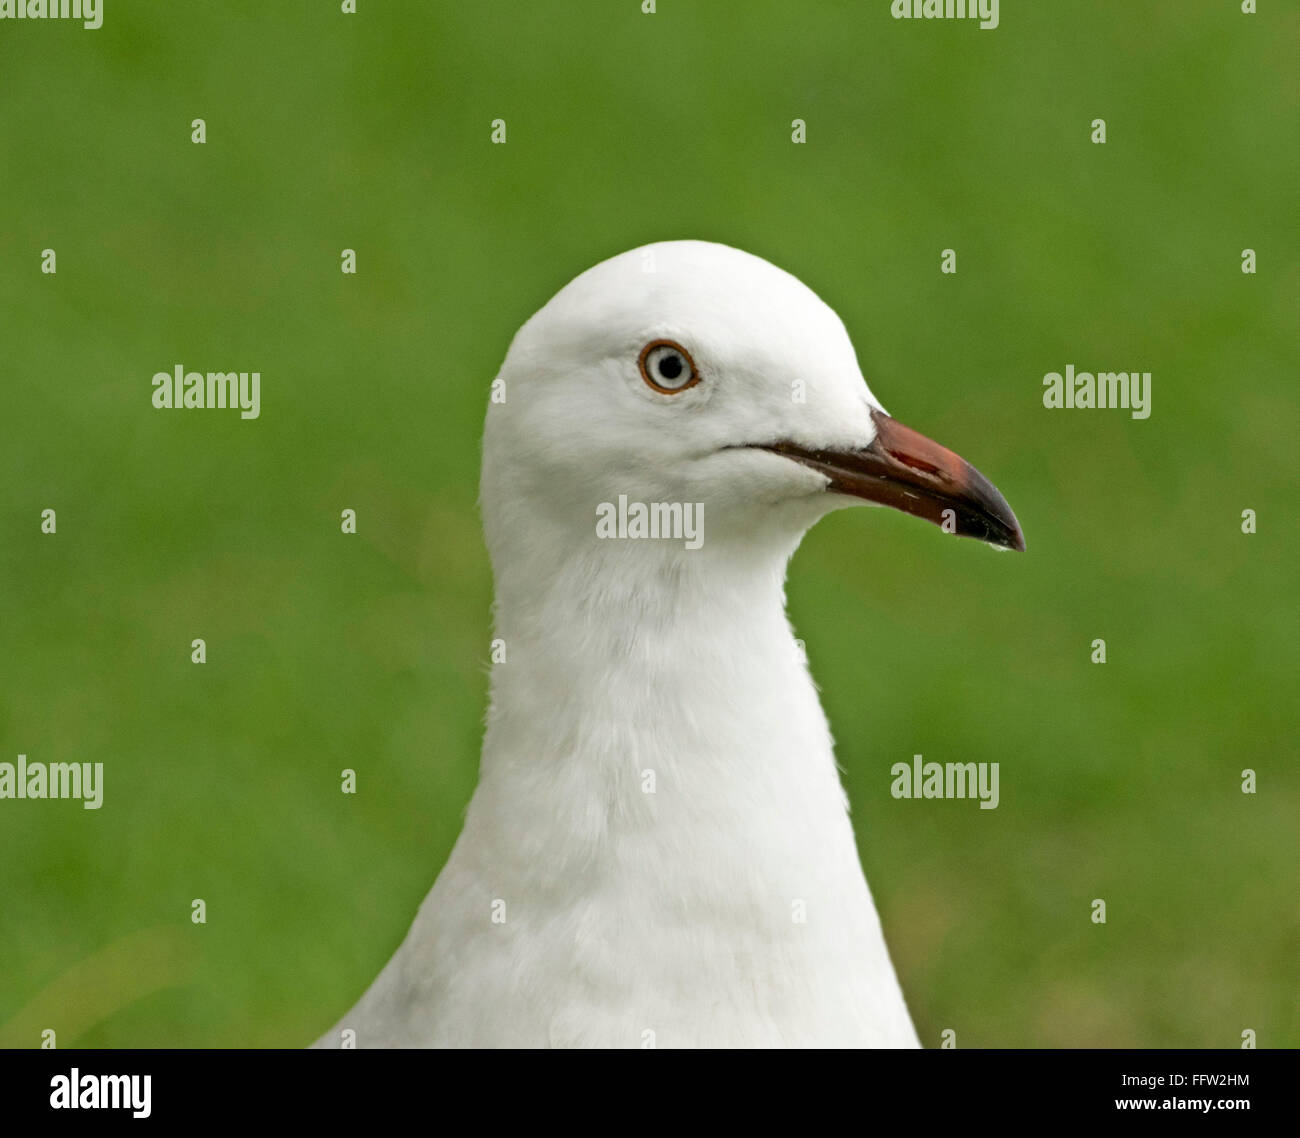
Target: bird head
<point x="694" y="373"/>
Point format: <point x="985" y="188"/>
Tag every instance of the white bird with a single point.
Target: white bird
<point x="659" y="852"/>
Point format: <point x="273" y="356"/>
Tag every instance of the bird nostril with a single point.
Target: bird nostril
<point x="914" y="462"/>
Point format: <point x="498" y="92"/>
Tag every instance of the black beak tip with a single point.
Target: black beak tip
<point x="996" y="525"/>
<point x="999" y="532"/>
<point x="988" y="515"/>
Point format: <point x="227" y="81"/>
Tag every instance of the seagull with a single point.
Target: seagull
<point x="659" y="852"/>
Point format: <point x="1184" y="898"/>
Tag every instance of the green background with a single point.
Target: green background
<point x="371" y="131"/>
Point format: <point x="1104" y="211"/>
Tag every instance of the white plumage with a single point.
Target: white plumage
<point x="658" y="804"/>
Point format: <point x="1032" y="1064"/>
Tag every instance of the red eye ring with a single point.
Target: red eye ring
<point x="656" y="364"/>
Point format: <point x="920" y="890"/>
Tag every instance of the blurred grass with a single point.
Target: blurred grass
<point x="371" y="132"/>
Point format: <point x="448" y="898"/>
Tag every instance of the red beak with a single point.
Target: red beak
<point x="904" y="469"/>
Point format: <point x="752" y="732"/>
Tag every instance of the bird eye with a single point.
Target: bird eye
<point x="668" y="367"/>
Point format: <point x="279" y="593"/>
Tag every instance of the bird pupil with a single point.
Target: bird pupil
<point x="670" y="367"/>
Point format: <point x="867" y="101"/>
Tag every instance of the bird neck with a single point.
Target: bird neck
<point x="634" y="676"/>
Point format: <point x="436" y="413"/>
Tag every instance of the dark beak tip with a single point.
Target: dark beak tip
<point x="1011" y="536"/>
<point x="999" y="531"/>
